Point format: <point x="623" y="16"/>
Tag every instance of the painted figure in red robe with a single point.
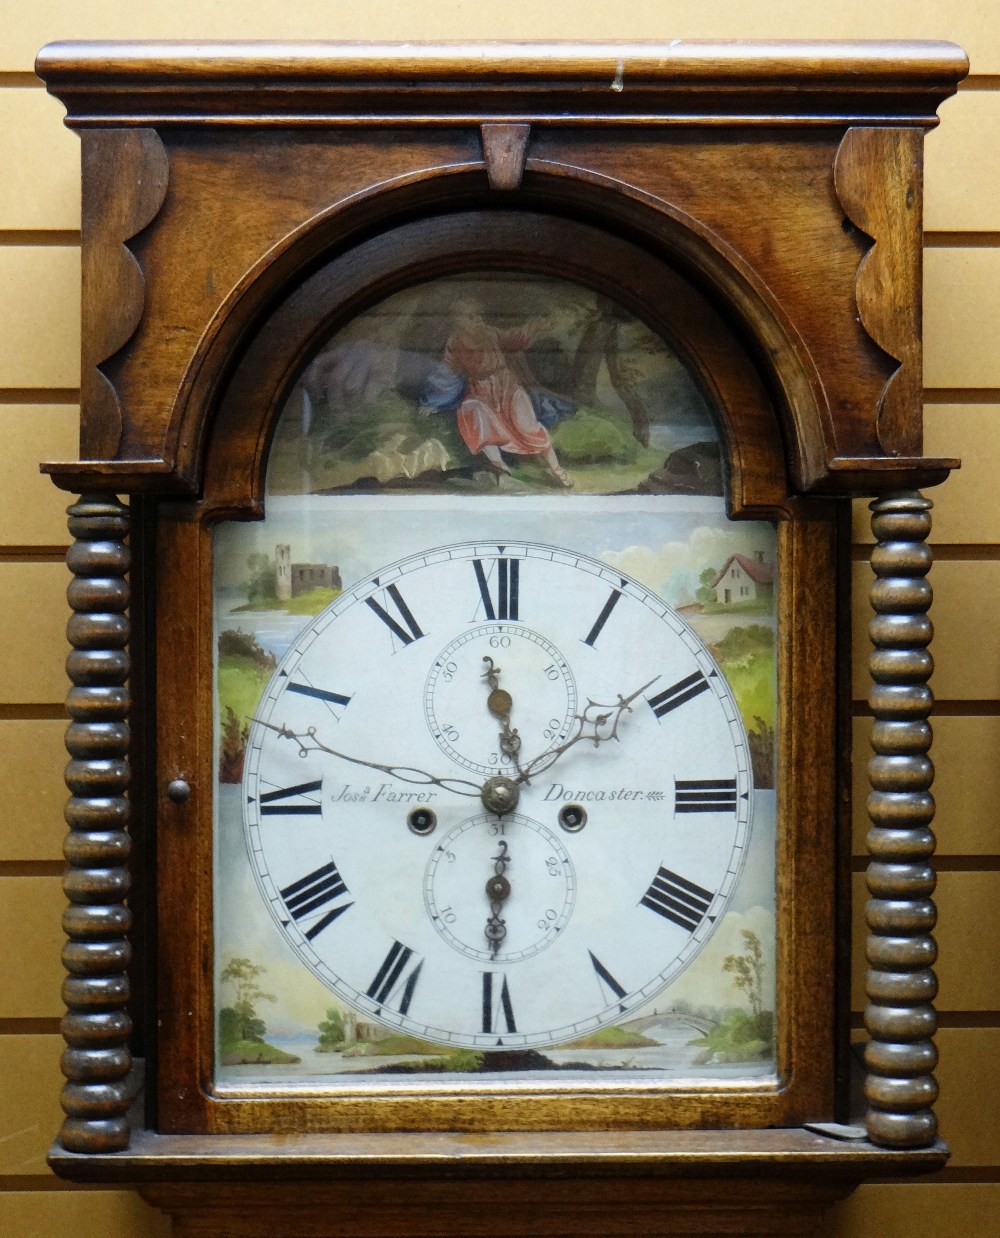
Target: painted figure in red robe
<point x="495" y="413"/>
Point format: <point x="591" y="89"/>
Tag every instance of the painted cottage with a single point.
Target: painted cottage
<point x="741" y="579"/>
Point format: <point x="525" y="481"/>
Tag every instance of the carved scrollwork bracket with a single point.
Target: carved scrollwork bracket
<point x="125" y="175"/>
<point x="96" y="1026"/>
<point x="888" y="281"/>
<point x="900" y="983"/>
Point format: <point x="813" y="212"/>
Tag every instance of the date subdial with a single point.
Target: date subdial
<point x="540" y="887"/>
<point x="534" y="672"/>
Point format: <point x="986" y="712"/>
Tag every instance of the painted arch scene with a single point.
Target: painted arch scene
<point x="492" y="386"/>
<point x="494" y="383"/>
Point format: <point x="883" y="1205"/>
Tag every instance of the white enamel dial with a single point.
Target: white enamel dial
<point x="596" y="920"/>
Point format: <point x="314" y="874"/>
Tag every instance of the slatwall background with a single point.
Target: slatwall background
<point x="39" y="374"/>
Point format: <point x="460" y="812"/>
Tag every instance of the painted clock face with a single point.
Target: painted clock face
<point x="378" y="844"/>
<point x="497" y="714"/>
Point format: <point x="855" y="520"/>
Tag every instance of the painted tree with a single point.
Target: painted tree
<point x="748" y="970"/>
<point x="331" y="1030"/>
<point x="240" y="1020"/>
<point x="705" y="591"/>
<point x="260" y="585"/>
<point x="601" y="341"/>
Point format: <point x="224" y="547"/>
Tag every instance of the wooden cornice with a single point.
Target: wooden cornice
<point x="694" y="150"/>
<point x="671" y="83"/>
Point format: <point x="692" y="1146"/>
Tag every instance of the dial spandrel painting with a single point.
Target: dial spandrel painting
<point x="496" y="707"/>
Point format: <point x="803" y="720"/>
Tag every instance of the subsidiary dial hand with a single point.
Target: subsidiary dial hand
<point x="598" y="723"/>
<point x="500" y="703"/>
<point x="497" y="891"/>
<point x="307" y="742"/>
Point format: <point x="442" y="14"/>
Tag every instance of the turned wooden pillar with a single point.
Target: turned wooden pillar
<point x="900" y="982"/>
<point x="96" y="1026"/>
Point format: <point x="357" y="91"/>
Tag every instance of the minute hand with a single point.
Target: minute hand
<point x="307" y="742"/>
<point x="598" y="723"/>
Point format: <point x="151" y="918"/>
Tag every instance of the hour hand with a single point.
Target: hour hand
<point x="307" y="741"/>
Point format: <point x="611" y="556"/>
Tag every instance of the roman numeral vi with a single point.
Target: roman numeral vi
<point x="496" y="1005"/>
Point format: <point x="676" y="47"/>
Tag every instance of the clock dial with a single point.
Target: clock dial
<point x="484" y="930"/>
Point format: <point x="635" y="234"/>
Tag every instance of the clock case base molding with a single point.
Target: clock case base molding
<point x="554" y="1183"/>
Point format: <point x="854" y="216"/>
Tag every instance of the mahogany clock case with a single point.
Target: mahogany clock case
<point x="500" y="240"/>
<point x="759" y="210"/>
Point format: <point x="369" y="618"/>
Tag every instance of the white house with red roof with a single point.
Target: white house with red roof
<point x="741" y="579"/>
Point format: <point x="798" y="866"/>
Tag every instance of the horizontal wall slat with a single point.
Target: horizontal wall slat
<point x="40" y="157"/>
<point x="30" y="1116"/>
<point x="32" y="510"/>
<point x="31" y="973"/>
<point x="962" y="166"/>
<point x="84" y="1214"/>
<point x="968" y="937"/>
<point x="969" y="1076"/>
<point x="961" y="310"/>
<point x="966" y="649"/>
<point x="40" y="316"/>
<point x="32" y="792"/>
<point x="29" y="26"/>
<point x="966" y="787"/>
<point x="33" y="632"/>
<point x="966" y="506"/>
<point x="915" y="1210"/>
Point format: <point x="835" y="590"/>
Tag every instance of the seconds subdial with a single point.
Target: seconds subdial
<point x="534" y="672"/>
<point x="540" y="887"/>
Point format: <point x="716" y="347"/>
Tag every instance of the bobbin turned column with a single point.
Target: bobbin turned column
<point x="96" y="1026"/>
<point x="900" y="983"/>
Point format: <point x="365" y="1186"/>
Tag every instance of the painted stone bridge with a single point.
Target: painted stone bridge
<point x="666" y="1018"/>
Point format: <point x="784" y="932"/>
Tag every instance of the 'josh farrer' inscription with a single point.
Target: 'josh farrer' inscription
<point x="386" y="792"/>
